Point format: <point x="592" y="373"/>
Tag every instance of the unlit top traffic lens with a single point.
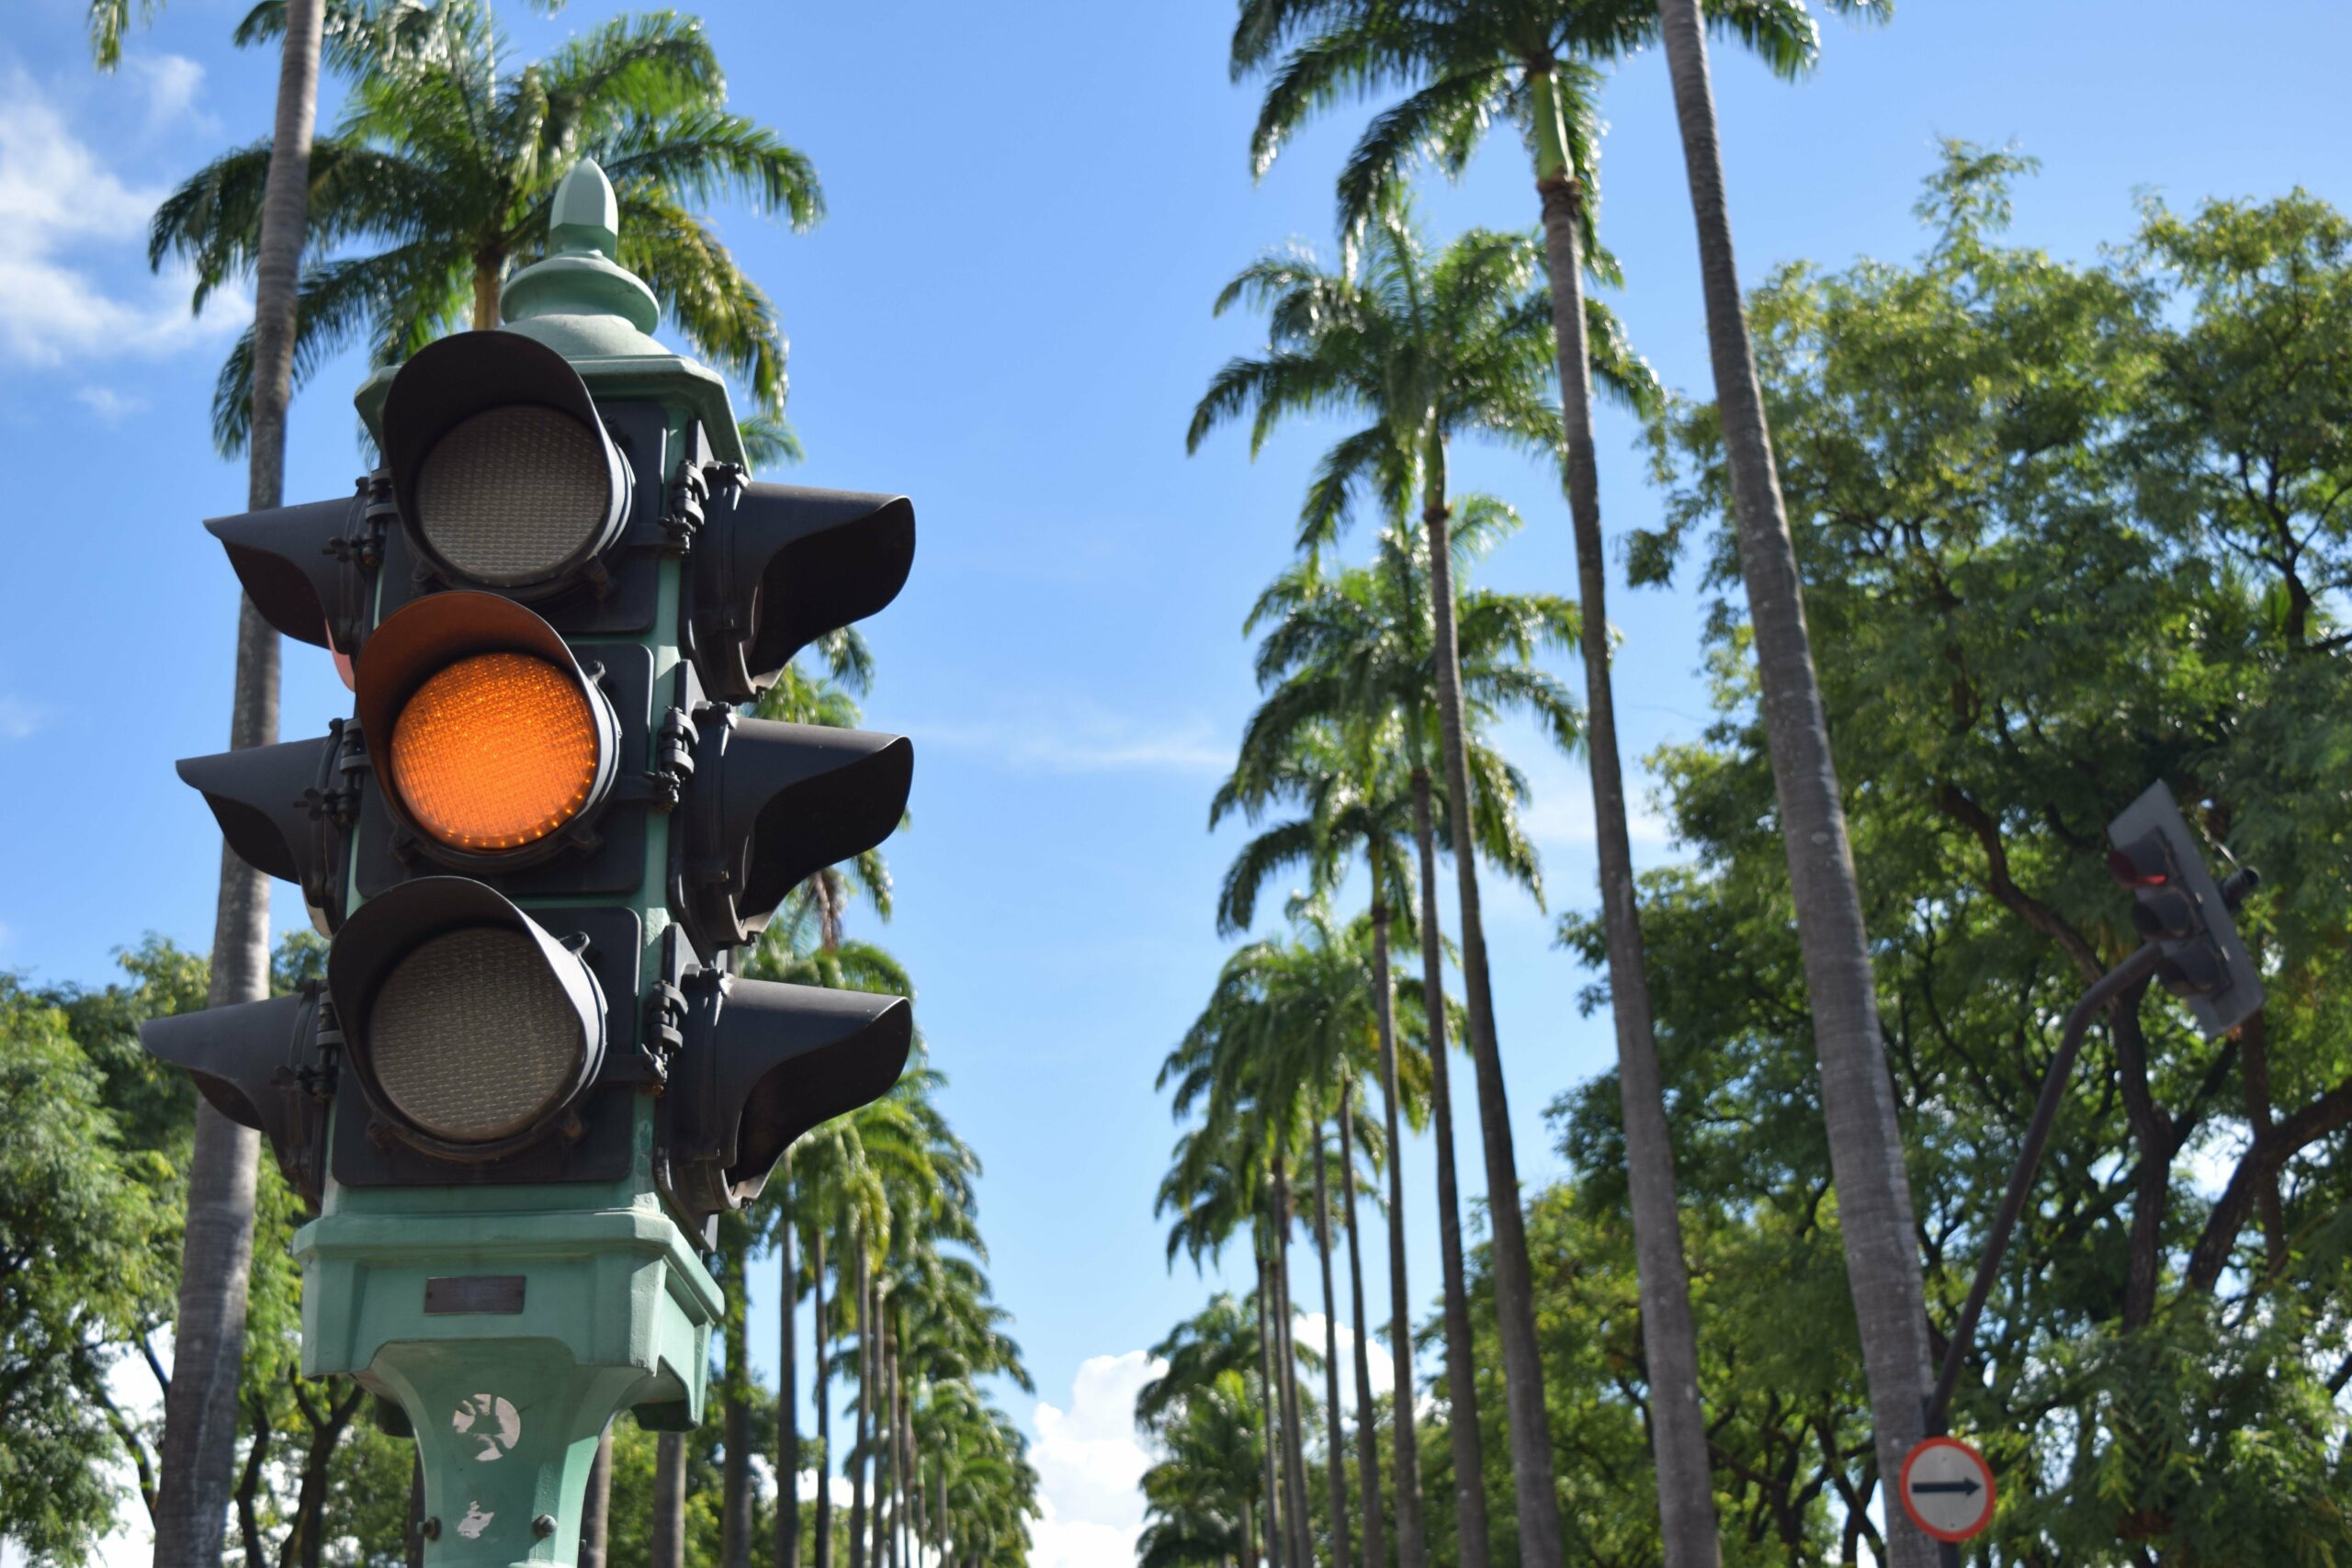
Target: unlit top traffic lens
<point x="494" y="752"/>
<point x="513" y="495"/>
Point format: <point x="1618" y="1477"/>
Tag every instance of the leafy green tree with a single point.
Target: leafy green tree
<point x="81" y="1273"/>
<point x="447" y="165"/>
<point x="2033" y="554"/>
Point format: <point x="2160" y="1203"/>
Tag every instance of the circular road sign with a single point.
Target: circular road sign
<point x="1947" y="1488"/>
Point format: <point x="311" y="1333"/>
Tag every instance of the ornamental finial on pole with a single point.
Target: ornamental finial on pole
<point x="581" y="275"/>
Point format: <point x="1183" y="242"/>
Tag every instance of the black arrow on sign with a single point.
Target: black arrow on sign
<point x="1968" y="1488"/>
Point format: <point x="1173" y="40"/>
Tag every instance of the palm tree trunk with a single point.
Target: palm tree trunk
<point x="787" y="1394"/>
<point x="596" y="1504"/>
<point x="669" y="1533"/>
<point x="1376" y="1548"/>
<point x="902" y="1466"/>
<point x="1686" y="1497"/>
<point x="1271" y="1398"/>
<point x="1531" y="1435"/>
<point x="488" y="286"/>
<point x="823" y="1376"/>
<point x="1335" y="1446"/>
<point x="199" y="1447"/>
<point x="1302" y="1544"/>
<point x="1857" y="1096"/>
<point x="1461" y="1369"/>
<point x="886" y="1444"/>
<point x="857" y="1542"/>
<point x="735" y="1472"/>
<point x="1411" y="1549"/>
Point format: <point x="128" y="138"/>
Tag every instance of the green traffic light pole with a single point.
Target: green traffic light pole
<point x="511" y="1324"/>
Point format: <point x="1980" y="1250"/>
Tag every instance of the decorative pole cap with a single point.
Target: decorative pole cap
<point x="579" y="277"/>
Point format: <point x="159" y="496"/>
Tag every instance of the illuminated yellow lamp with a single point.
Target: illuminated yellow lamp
<point x="496" y="751"/>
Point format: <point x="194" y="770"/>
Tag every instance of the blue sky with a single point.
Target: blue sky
<point x="1006" y="317"/>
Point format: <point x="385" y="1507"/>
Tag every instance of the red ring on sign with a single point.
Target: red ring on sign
<point x="1992" y="1492"/>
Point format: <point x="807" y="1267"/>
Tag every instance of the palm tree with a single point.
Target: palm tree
<point x="1874" y="1208"/>
<point x="451" y="166"/>
<point x="1356" y="645"/>
<point x="1288" y="1022"/>
<point x="1367" y="1437"/>
<point x="784" y="1228"/>
<point x="198" y="1449"/>
<point x="1426" y="350"/>
<point x="1205" y="1419"/>
<point x="987" y="1488"/>
<point x="1325" y="766"/>
<point x="1231" y="1172"/>
<point x="804" y="944"/>
<point x="1471" y="62"/>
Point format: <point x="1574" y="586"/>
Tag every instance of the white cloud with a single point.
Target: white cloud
<point x="19" y="718"/>
<point x="836" y="1484"/>
<point x="61" y="209"/>
<point x="111" y="406"/>
<point x="1071" y="738"/>
<point x="1089" y="1466"/>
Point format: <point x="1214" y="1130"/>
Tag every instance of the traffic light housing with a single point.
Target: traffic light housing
<point x="2177" y="906"/>
<point x="783" y="566"/>
<point x="530" y="1082"/>
<point x="265" y="1064"/>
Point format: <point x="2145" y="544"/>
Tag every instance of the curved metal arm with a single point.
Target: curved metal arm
<point x="2141" y="965"/>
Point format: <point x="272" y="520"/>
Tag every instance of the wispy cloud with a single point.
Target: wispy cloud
<point x="1560" y="814"/>
<point x="66" y="214"/>
<point x="1080" y="739"/>
<point x="172" y="82"/>
<point x="111" y="406"/>
<point x="19" y="718"/>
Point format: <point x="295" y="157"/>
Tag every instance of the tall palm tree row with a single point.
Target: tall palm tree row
<point x="1425" y="349"/>
<point x="1349" y="654"/>
<point x="887" y="1195"/>
<point x="1468" y="64"/>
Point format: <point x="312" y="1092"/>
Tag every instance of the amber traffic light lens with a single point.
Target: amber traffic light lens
<point x="494" y="752"/>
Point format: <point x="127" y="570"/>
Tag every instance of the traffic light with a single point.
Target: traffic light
<point x="531" y="1079"/>
<point x="2177" y="906"/>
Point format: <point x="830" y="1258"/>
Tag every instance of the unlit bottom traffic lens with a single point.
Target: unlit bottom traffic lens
<point x="472" y="1038"/>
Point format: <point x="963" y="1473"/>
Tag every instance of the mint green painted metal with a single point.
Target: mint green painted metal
<point x="571" y="1303"/>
